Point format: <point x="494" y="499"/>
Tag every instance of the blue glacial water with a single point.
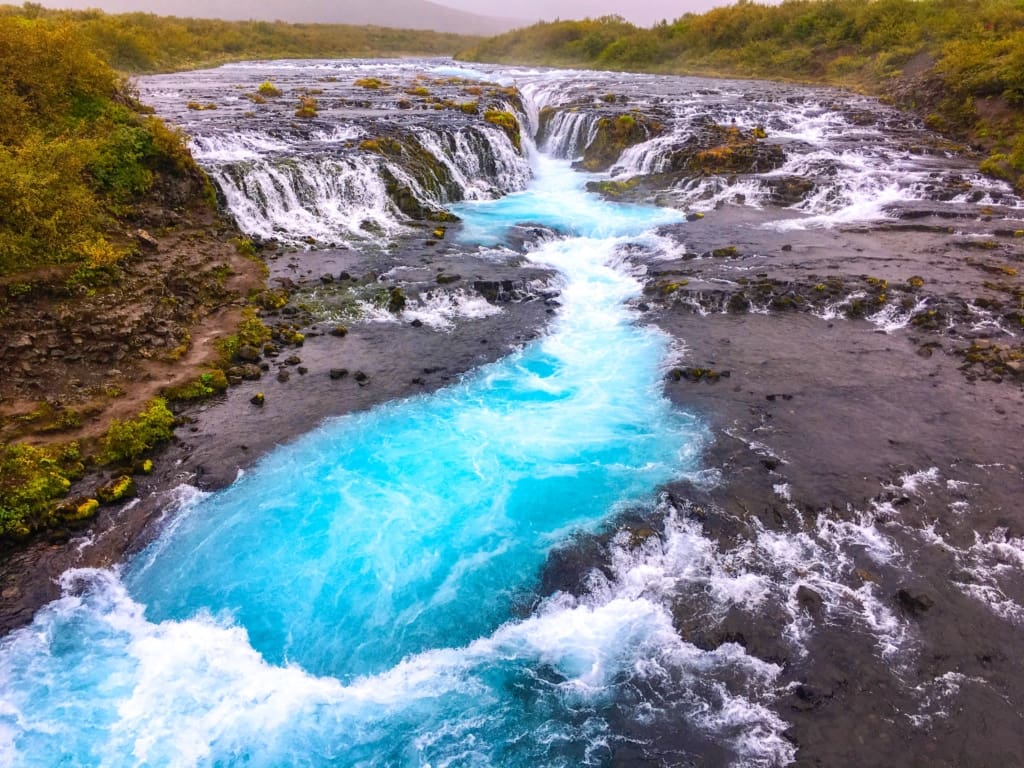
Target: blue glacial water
<point x="353" y="599"/>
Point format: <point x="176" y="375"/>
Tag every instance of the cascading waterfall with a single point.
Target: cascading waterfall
<point x="568" y="134"/>
<point x="481" y="161"/>
<point x="333" y="194"/>
<point x="294" y="182"/>
<point x="291" y="199"/>
<point x="353" y="599"/>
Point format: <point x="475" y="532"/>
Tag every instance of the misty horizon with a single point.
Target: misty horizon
<point x="480" y="17"/>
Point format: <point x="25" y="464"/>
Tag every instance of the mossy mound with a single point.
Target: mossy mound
<point x="118" y="489"/>
<point x="508" y="123"/>
<point x="614" y="135"/>
<point x="733" y="151"/>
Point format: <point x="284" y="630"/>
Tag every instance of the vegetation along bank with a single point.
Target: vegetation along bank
<point x="123" y="290"/>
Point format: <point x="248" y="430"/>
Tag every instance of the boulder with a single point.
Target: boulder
<point x="118" y="489"/>
<point x="614" y="135"/>
<point x="248" y="353"/>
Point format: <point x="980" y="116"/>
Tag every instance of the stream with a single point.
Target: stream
<point x="368" y="594"/>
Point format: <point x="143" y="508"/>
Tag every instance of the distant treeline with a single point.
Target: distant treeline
<point x="966" y="57"/>
<point x="142" y="42"/>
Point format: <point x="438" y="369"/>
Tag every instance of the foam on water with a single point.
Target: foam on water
<point x="351" y="600"/>
<point x="557" y="201"/>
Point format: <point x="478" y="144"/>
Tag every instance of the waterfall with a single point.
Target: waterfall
<point x="328" y="186"/>
<point x="567" y="133"/>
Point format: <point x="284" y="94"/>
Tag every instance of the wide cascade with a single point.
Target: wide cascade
<point x="364" y="595"/>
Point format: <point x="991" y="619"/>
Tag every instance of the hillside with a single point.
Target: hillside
<point x="143" y="42"/>
<point x="959" y="63"/>
<point x="117" y="274"/>
<point x="404" y="14"/>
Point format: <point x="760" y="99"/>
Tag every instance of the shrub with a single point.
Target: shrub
<point x="307" y="107"/>
<point x="206" y="384"/>
<point x="31" y="480"/>
<point x="126" y="441"/>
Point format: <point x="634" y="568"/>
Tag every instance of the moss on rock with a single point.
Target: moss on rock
<point x="508" y="123"/>
<point x="118" y="489"/>
<point x="616" y="134"/>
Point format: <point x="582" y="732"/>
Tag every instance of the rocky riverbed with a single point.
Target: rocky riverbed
<point x="843" y="296"/>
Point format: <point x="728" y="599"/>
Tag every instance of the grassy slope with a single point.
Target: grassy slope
<point x="141" y="42"/>
<point x="82" y="165"/>
<point x="960" y="63"/>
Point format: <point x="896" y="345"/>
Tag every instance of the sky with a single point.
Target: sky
<point x="489" y="16"/>
<point x="643" y="12"/>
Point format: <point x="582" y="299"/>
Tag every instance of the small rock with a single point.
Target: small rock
<point x="293" y="360"/>
<point x="361" y="378"/>
<point x="787" y="248"/>
<point x="258" y="399"/>
<point x="914" y="602"/>
<point x="694" y="216"/>
<point x="417" y="323"/>
<point x="146" y="240"/>
<point x="248" y="354"/>
<point x="303" y="370"/>
<point x="119" y="488"/>
<point x="247" y="372"/>
<point x="283" y="375"/>
<point x="340" y="331"/>
<point x="396" y="300"/>
<point x="338" y="373"/>
<point x="444" y="279"/>
<point x="326" y="278"/>
<point x="810" y="600"/>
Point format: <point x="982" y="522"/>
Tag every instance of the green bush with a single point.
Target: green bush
<point x="75" y="149"/>
<point x="128" y="440"/>
<point x="31" y="481"/>
<point x="143" y="42"/>
<point x="206" y="384"/>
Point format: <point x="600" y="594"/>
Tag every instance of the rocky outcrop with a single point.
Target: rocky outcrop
<point x="725" y="150"/>
<point x="616" y="134"/>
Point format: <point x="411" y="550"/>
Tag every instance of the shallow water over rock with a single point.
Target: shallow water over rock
<point x="549" y="562"/>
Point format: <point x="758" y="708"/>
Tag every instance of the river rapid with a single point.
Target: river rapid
<point x="377" y="592"/>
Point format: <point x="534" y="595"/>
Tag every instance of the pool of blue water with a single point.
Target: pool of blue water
<point x="351" y="600"/>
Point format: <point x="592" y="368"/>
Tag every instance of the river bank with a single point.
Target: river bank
<point x="878" y="492"/>
<point x="840" y="579"/>
<point x="221" y="437"/>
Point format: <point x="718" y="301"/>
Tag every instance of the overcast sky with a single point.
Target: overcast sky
<point x="410" y="13"/>
<point x="644" y="12"/>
